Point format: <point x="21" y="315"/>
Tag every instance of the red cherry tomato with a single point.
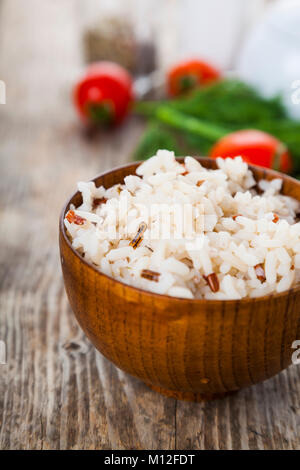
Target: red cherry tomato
<point x="189" y="75"/>
<point x="104" y="93"/>
<point x="255" y="147"/>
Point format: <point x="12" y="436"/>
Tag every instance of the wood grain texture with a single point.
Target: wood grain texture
<point x="56" y="391"/>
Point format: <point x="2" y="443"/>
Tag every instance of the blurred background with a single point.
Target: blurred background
<point x="45" y="48"/>
<point x="212" y="30"/>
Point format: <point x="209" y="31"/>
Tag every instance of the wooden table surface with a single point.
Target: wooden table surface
<point x="56" y="391"/>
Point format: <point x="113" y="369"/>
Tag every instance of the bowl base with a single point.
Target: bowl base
<point x="189" y="396"/>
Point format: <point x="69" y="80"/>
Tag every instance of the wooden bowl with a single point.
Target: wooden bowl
<point x="188" y="349"/>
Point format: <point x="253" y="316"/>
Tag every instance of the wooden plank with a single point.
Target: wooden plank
<point x="56" y="391"/>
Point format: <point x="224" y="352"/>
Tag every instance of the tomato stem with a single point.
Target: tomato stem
<point x="101" y="113"/>
<point x="187" y="82"/>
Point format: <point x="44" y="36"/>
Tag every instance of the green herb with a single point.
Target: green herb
<point x="230" y="102"/>
<point x="213" y="111"/>
<point x="155" y="138"/>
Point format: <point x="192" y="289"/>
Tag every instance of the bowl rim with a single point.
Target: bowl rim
<point x="217" y="302"/>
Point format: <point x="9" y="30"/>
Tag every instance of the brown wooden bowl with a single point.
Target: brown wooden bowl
<point x="188" y="349"/>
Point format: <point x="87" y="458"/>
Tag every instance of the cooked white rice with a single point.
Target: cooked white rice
<point x="203" y="233"/>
